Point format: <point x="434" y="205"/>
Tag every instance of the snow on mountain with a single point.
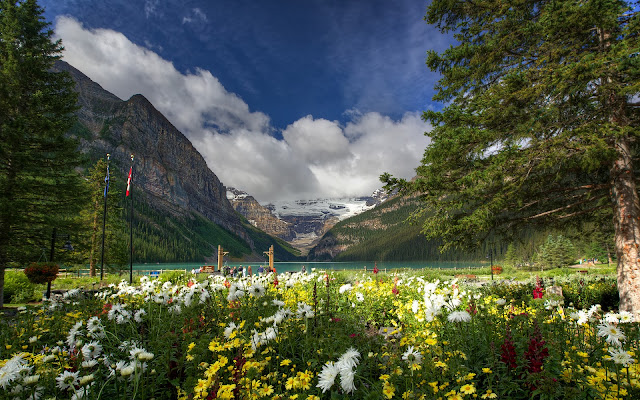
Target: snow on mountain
<point x="341" y="208"/>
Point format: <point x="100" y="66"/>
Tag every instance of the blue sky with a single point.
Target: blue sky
<point x="285" y="99"/>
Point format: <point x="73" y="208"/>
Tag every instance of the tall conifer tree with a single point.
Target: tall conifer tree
<point x="541" y="124"/>
<point x="38" y="184"/>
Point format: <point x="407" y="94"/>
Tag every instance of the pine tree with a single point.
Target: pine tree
<point x="540" y="126"/>
<point x="39" y="188"/>
<point x="92" y="217"/>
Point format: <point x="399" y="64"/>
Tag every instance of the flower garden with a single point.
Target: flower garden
<point x="321" y="336"/>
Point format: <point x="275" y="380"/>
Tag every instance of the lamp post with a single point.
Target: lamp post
<point x="104" y="217"/>
<point x="66" y="246"/>
<point x="490" y="256"/>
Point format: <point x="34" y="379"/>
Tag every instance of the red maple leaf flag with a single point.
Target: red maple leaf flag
<point x="129" y="180"/>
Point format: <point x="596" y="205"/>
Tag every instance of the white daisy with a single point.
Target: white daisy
<point x="229" y="329"/>
<point x="67" y="380"/>
<point x="622" y="357"/>
<point x="612" y="334"/>
<point x="11" y="370"/>
<point x="459" y="316"/>
<point x="349" y="359"/>
<point x="327" y="376"/>
<point x="304" y="310"/>
<point x="412" y="356"/>
<point x="137" y="316"/>
<point x="626" y="317"/>
<point x="91" y="350"/>
<point x="89" y="363"/>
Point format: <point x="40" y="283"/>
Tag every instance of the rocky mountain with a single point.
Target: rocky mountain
<point x="171" y="179"/>
<point x="384" y="233"/>
<point x="302" y="222"/>
<point x="259" y="216"/>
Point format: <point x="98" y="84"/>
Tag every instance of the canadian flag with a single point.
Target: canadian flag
<point x="129" y="180"/>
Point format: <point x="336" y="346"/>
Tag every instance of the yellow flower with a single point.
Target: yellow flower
<point x="407" y="395"/>
<point x="284" y="363"/>
<point x="191" y="346"/>
<point x="384" y="377"/>
<point x="290" y="383"/>
<point x="313" y="397"/>
<point x="266" y="390"/>
<point x="440" y="364"/>
<point x="487" y="370"/>
<point x="468" y="389"/>
<point x="388" y="390"/>
<point x="489" y="395"/>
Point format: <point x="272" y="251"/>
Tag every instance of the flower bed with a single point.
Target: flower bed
<point x="315" y="336"/>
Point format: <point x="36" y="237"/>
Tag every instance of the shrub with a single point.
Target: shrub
<point x="177" y="276"/>
<point x="41" y="272"/>
<point x="587" y="293"/>
<point x="17" y="288"/>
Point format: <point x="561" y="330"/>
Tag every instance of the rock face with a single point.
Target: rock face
<point x="168" y="171"/>
<point x="302" y="222"/>
<point x="259" y="216"/>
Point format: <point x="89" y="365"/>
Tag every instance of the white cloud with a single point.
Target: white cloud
<point x="316" y="158"/>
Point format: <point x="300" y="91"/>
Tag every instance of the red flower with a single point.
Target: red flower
<point x="538" y="292"/>
<point x="508" y="355"/>
<point x="395" y="290"/>
<point x="536" y="353"/>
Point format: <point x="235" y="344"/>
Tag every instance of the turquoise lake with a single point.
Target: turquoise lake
<point x="329" y="266"/>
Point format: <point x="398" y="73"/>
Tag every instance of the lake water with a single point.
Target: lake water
<point x="330" y="266"/>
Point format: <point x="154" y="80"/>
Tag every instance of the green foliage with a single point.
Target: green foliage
<point x="556" y="252"/>
<point x="39" y="187"/>
<point x="175" y="277"/>
<point x="586" y="292"/>
<point x="162" y="237"/>
<point x="89" y="246"/>
<point x="530" y="130"/>
<point x="17" y="288"/>
<point x="518" y="293"/>
<point x="384" y="233"/>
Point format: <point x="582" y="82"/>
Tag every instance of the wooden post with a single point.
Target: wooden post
<point x="270" y="254"/>
<point x="221" y="255"/>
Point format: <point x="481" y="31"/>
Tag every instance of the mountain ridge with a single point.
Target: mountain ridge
<point x="182" y="205"/>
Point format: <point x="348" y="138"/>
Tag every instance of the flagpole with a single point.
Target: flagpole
<point x="104" y="216"/>
<point x="130" y="223"/>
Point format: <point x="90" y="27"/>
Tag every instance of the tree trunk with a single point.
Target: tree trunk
<point x="93" y="258"/>
<point x="1" y="286"/>
<point x="626" y="219"/>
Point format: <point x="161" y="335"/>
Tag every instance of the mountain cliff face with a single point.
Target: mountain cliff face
<point x="259" y="216"/>
<point x="168" y="171"/>
<point x="302" y="222"/>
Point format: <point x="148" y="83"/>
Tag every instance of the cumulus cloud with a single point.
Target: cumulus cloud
<point x="316" y="158"/>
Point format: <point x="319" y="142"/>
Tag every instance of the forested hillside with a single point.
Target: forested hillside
<point x="387" y="233"/>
